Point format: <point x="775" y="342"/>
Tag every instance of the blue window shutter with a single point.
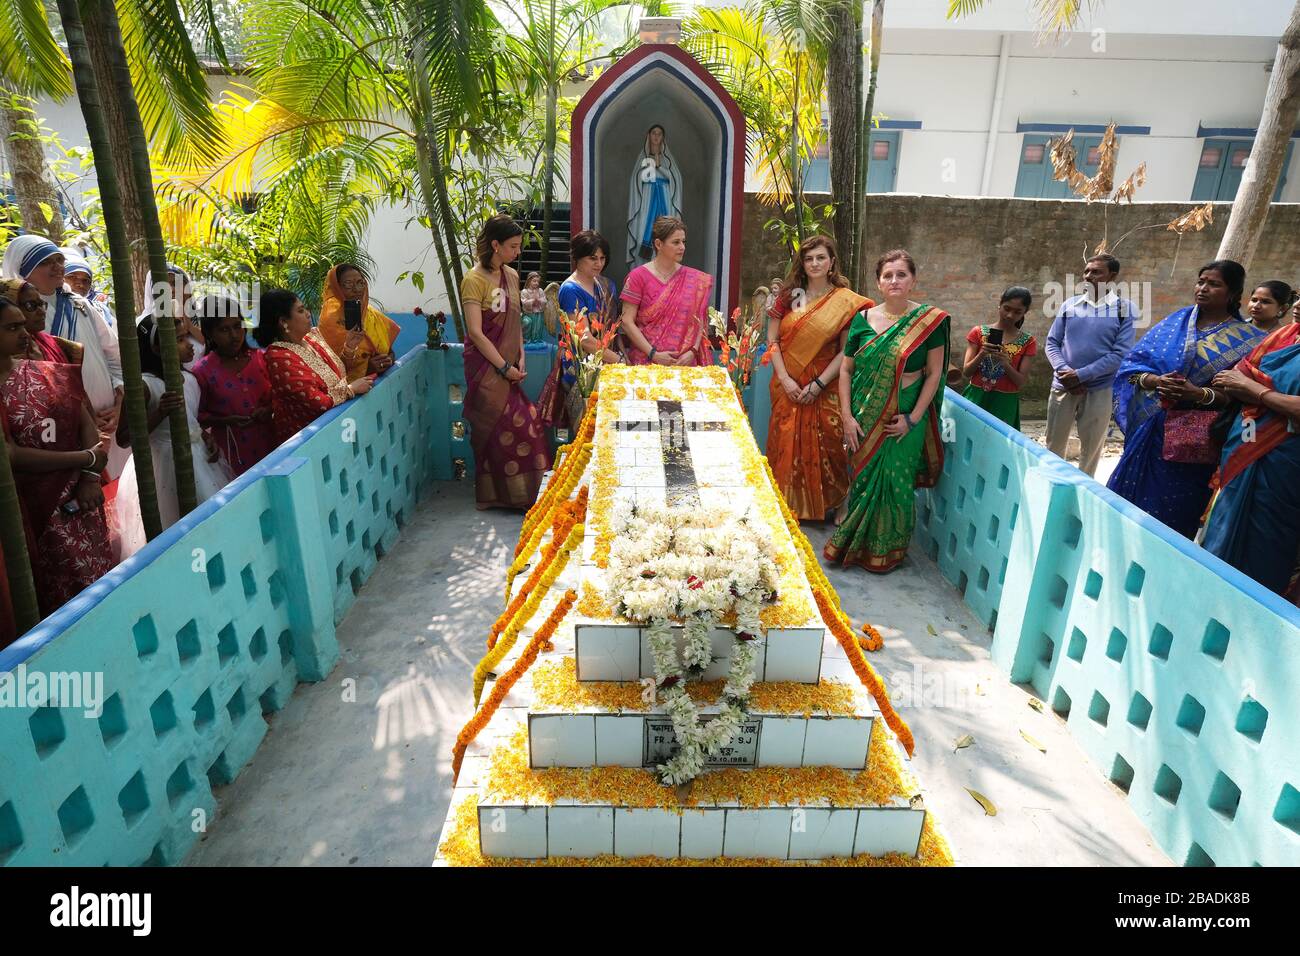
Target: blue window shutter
<point x="1208" y="177"/>
<point x="1035" y="179"/>
<point x="882" y="174"/>
<point x="1030" y="179"/>
<point x="1234" y="164"/>
<point x="817" y="175"/>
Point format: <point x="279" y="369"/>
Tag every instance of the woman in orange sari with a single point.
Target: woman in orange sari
<point x="367" y="349"/>
<point x="806" y="331"/>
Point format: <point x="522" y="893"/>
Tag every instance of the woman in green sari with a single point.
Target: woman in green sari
<point x="892" y="380"/>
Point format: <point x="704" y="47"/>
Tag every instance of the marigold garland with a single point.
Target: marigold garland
<point x="866" y="673"/>
<point x="564" y="522"/>
<point x="541" y="640"/>
<point x="575" y="508"/>
<point x="507" y="640"/>
<point x="571" y="462"/>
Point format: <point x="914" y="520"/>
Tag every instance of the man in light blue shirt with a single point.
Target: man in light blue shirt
<point x="1092" y="334"/>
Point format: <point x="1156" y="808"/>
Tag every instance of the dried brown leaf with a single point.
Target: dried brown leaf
<point x="1033" y="743"/>
<point x="1193" y="221"/>
<point x="1036" y="704"/>
<point x="962" y="742"/>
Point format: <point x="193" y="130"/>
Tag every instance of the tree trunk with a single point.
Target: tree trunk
<point x="106" y="23"/>
<point x="93" y="111"/>
<point x="441" y="214"/>
<point x="852" y="267"/>
<point x="877" y="24"/>
<point x="796" y="167"/>
<point x="552" y="95"/>
<point x="548" y="176"/>
<point x="115" y="125"/>
<point x="842" y="102"/>
<point x="13" y="542"/>
<point x="26" y="158"/>
<point x="1267" y="156"/>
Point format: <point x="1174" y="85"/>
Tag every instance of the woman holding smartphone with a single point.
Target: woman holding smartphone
<point x="996" y="355"/>
<point x="359" y="333"/>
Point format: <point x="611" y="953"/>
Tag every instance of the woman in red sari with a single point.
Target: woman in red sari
<point x="57" y="458"/>
<point x="806" y="331"/>
<point x="307" y="378"/>
<point x="666" y="304"/>
<point x="505" y="430"/>
<point x="41" y="346"/>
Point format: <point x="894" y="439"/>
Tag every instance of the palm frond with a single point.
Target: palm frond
<point x="170" y="86"/>
<point x="31" y="60"/>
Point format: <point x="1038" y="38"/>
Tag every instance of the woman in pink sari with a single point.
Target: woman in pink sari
<point x="666" y="304"/>
<point x="510" y="449"/>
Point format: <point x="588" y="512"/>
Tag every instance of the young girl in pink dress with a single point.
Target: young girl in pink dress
<point x="234" y="387"/>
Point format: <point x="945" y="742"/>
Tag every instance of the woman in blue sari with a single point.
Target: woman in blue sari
<point x="1254" y="523"/>
<point x="585" y="288"/>
<point x="1165" y="404"/>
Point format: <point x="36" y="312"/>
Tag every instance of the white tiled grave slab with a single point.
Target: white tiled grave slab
<point x="623" y="740"/>
<point x="621" y="652"/>
<point x="782" y="833"/>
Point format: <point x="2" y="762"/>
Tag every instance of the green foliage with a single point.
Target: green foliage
<point x="786" y="228"/>
<point x="31" y="59"/>
<point x="70" y="168"/>
<point x="770" y="55"/>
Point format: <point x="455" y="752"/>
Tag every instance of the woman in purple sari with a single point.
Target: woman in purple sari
<point x="510" y="449"/>
<point x="666" y="304"/>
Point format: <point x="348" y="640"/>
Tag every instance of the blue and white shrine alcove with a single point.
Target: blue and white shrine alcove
<point x="660" y="83"/>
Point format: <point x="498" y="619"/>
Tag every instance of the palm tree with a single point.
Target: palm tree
<point x="556" y="43"/>
<point x="386" y="87"/>
<point x="124" y="294"/>
<point x="846" y="126"/>
<point x="100" y="17"/>
<point x="864" y="140"/>
<point x="770" y="56"/>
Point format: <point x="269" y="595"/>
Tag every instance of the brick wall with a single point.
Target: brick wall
<point x="969" y="249"/>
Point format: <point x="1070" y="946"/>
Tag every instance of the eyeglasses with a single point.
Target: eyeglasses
<point x="34" y="306"/>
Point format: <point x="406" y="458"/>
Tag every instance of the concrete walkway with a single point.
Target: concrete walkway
<point x="356" y="769"/>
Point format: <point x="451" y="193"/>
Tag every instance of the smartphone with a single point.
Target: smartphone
<point x="351" y="315"/>
<point x="70" y="507"/>
<point x="995" y="336"/>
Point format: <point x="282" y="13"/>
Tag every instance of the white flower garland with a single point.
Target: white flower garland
<point x="696" y="567"/>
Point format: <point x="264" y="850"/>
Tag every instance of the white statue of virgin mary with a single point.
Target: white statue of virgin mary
<point x="656" y="191"/>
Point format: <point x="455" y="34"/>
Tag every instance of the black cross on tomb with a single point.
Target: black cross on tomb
<point x="681" y="488"/>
